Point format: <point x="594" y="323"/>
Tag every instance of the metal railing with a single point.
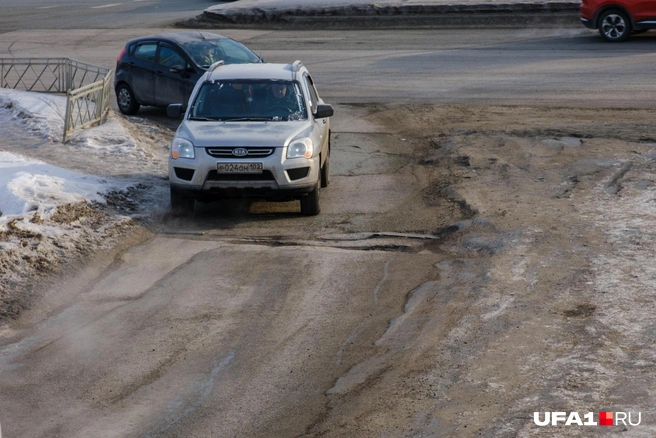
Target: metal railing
<point x="87" y="86"/>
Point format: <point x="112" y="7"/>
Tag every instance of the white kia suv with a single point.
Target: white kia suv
<point x="251" y="130"/>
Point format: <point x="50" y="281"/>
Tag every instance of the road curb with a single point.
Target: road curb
<point x="373" y="16"/>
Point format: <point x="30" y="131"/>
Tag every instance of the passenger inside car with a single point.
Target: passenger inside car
<point x="204" y="54"/>
<point x="238" y="97"/>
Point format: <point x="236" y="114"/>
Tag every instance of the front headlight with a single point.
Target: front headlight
<point x="181" y="148"/>
<point x="301" y="147"/>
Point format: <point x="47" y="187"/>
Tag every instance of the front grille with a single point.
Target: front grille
<point x="226" y="152"/>
<point x="185" y="174"/>
<point x="298" y="173"/>
<point x="266" y="175"/>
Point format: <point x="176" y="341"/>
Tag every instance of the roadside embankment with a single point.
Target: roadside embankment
<point x="393" y="15"/>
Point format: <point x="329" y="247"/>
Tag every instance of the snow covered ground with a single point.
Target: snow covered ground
<point x="60" y="202"/>
<point x="313" y="4"/>
<point x="33" y="187"/>
<point x="244" y="6"/>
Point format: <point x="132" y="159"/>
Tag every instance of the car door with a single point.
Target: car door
<point x="173" y="87"/>
<point x="140" y="75"/>
<point x="643" y="10"/>
<point x="320" y="125"/>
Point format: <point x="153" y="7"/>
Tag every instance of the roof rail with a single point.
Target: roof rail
<point x="296" y="66"/>
<point x="216" y="65"/>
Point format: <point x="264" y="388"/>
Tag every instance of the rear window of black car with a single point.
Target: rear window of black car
<point x="145" y="51"/>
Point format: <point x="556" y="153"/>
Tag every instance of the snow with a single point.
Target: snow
<point x="245" y="5"/>
<point x="28" y="185"/>
<point x="311" y="4"/>
<point x="40" y="113"/>
<point x="61" y="202"/>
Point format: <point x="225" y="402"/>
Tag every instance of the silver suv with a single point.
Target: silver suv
<point x="251" y="130"/>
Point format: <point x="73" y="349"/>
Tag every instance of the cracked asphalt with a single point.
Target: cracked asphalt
<point x="472" y="265"/>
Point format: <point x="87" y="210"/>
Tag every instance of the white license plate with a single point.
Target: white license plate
<point x="239" y="167"/>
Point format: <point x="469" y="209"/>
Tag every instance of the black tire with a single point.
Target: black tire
<point x="325" y="172"/>
<point x="310" y="202"/>
<point x="125" y="100"/>
<point x="181" y="205"/>
<point x="614" y="26"/>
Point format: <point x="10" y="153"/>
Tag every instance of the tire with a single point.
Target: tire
<point x="325" y="172"/>
<point x="310" y="202"/>
<point x="126" y="101"/>
<point x="614" y="26"/>
<point x="181" y="205"/>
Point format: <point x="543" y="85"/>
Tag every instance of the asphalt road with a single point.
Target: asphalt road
<point x="564" y="66"/>
<point x="238" y="323"/>
<point x="96" y="14"/>
<point x="567" y="66"/>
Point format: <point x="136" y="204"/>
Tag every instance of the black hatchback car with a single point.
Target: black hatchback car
<point x="159" y="70"/>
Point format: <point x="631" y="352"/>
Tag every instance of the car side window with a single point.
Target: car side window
<point x="145" y="51"/>
<point x="314" y="97"/>
<point x="169" y="57"/>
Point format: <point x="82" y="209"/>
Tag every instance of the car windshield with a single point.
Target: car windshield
<point x="249" y="100"/>
<point x="207" y="52"/>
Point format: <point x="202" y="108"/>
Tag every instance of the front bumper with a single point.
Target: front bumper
<point x="587" y="23"/>
<point x="248" y="192"/>
<point x="281" y="178"/>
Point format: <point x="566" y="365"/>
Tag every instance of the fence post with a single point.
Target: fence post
<point x="61" y="69"/>
<point x="67" y="121"/>
<point x="99" y="103"/>
<point x="63" y="75"/>
<point x="66" y="80"/>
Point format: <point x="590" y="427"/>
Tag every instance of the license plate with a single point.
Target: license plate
<point x="239" y="168"/>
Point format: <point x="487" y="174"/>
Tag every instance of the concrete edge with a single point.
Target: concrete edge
<point x="373" y="16"/>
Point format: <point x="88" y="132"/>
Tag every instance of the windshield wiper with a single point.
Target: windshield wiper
<point x="249" y="119"/>
<point x="202" y="119"/>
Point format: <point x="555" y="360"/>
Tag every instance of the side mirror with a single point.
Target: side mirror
<point x="178" y="69"/>
<point x="323" y="111"/>
<point x="174" y="110"/>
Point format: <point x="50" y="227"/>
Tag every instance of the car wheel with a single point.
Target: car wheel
<point x="310" y="202"/>
<point x="614" y="26"/>
<point x="181" y="205"/>
<point x="126" y="101"/>
<point x="325" y="172"/>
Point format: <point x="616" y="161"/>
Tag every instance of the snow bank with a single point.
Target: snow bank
<point x="33" y="186"/>
<point x="54" y="208"/>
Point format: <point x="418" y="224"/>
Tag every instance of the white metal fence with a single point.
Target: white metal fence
<point x="87" y="86"/>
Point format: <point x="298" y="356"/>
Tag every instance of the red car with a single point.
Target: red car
<point x="617" y="19"/>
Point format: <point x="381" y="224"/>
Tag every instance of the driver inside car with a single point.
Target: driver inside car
<point x="280" y="100"/>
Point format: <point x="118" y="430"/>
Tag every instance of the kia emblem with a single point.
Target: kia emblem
<point x="240" y="152"/>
